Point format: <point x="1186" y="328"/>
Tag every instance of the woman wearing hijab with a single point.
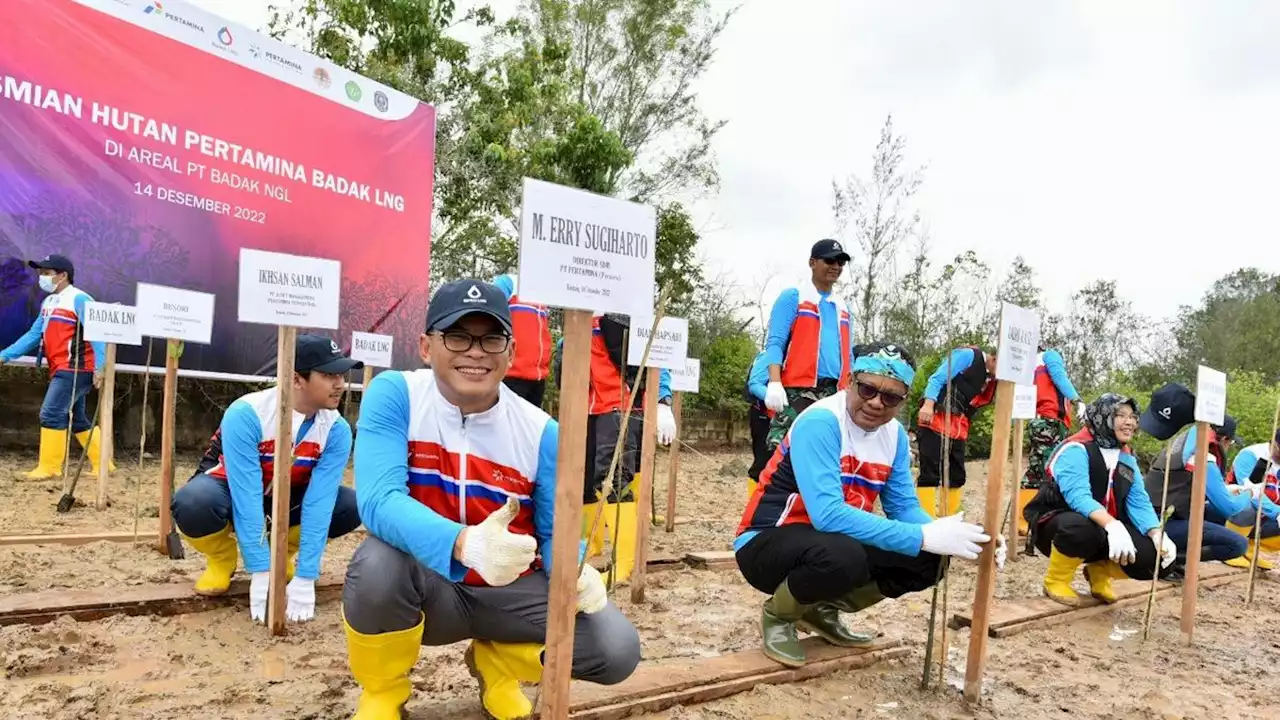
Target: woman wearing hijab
<point x="1094" y="509"/>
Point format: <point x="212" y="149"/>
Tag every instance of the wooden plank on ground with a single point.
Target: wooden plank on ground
<point x="68" y="538"/>
<point x="712" y="560"/>
<point x="1041" y="611"/>
<point x="661" y="685"/>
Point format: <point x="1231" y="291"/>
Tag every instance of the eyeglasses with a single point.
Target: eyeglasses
<point x="867" y="391"/>
<point x="834" y="261"/>
<point x="460" y="342"/>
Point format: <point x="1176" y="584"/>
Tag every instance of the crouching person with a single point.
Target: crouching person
<point x="455" y="479"/>
<point x="231" y="489"/>
<point x="809" y="537"/>
<point x="1093" y="507"/>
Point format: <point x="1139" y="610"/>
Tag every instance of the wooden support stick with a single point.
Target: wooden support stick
<point x="1165" y="511"/>
<point x="1195" y="533"/>
<point x="1015" y="489"/>
<point x="986" y="587"/>
<point x="644" y="494"/>
<point x="282" y="468"/>
<point x="673" y="470"/>
<point x="106" y="426"/>
<point x="1257" y="517"/>
<point x="567" y="531"/>
<point x="168" y="421"/>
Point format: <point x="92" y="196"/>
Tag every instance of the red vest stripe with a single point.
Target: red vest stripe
<point x="60" y="321"/>
<point x="800" y="366"/>
<point x="606" y="389"/>
<point x="531" y="327"/>
<point x="305" y="454"/>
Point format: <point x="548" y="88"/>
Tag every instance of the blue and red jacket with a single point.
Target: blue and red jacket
<point x="1054" y="391"/>
<point x="531" y="326"/>
<point x="810" y="337"/>
<point x="57" y="331"/>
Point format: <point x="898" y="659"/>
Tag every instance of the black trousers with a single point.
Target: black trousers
<point x="930" y="445"/>
<point x="822" y="566"/>
<point x="530" y="390"/>
<point x="1075" y="535"/>
<point x="758" y="421"/>
<point x="602" y="438"/>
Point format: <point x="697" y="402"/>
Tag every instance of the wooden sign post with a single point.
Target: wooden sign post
<point x="288" y="291"/>
<point x="682" y="381"/>
<point x="372" y="350"/>
<point x="1024" y="409"/>
<point x="1019" y="336"/>
<point x="178" y="316"/>
<point x="1211" y="407"/>
<point x="566" y="262"/>
<point x="112" y="325"/>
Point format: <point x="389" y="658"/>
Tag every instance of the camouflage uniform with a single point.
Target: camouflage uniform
<point x="797" y="400"/>
<point x="1045" y="434"/>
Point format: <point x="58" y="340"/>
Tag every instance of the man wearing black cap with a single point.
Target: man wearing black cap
<point x="56" y="335"/>
<point x="455" y="479"/>
<point x="809" y="345"/>
<point x="231" y="487"/>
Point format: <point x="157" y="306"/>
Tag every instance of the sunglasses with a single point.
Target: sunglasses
<point x="834" y="261"/>
<point x="867" y="391"/>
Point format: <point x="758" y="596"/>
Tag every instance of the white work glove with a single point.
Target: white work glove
<point x="666" y="424"/>
<point x="498" y="555"/>
<point x="592" y="596"/>
<point x="300" y="596"/>
<point x="1254" y="489"/>
<point x="950" y="535"/>
<point x="1002" y="552"/>
<point x="1119" y="545"/>
<point x="1080" y="408"/>
<point x="1168" y="551"/>
<point x="775" y="398"/>
<point x="259" y="584"/>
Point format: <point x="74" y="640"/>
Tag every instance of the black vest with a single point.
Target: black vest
<point x="1179" y="479"/>
<point x="965" y="386"/>
<point x="1049" y="500"/>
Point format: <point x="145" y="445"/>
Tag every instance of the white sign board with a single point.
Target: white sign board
<point x="110" y="323"/>
<point x="670" y="343"/>
<point x="1019" y="338"/>
<point x="686" y="379"/>
<point x="1024" y="402"/>
<point x="174" y="314"/>
<point x="1211" y="395"/>
<point x="281" y="289"/>
<point x="370" y="349"/>
<point x="585" y="251"/>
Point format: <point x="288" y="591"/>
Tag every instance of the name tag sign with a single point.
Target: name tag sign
<point x="175" y="314"/>
<point x="1019" y="337"/>
<point x="370" y="349"/>
<point x="282" y="289"/>
<point x="1024" y="402"/>
<point x="111" y="323"/>
<point x="1211" y="395"/>
<point x="670" y="343"/>
<point x="686" y="379"/>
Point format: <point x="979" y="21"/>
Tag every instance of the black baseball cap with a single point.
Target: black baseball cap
<point x="1228" y="429"/>
<point x="1172" y="408"/>
<point x="828" y="250"/>
<point x="61" y="263"/>
<point x="460" y="298"/>
<point x="313" y="352"/>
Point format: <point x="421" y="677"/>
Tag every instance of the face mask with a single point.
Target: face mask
<point x="47" y="284"/>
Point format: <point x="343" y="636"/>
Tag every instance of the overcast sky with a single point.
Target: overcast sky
<point x="1134" y="141"/>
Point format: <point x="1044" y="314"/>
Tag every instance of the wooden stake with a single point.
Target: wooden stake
<point x="986" y="587"/>
<point x="1257" y="518"/>
<point x="1165" y="511"/>
<point x="1195" y="533"/>
<point x="644" y="494"/>
<point x="168" y="421"/>
<point x="1015" y="489"/>
<point x="106" y="425"/>
<point x="567" y="531"/>
<point x="282" y="468"/>
<point x="673" y="470"/>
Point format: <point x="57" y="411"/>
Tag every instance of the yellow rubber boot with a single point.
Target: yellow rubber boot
<point x="954" y="496"/>
<point x="1099" y="575"/>
<point x="1058" y="577"/>
<point x="380" y="664"/>
<point x="1244" y="560"/>
<point x="751" y="488"/>
<point x="928" y="500"/>
<point x="620" y="521"/>
<point x="221" y="554"/>
<point x="499" y="668"/>
<point x="1271" y="544"/>
<point x="295" y="542"/>
<point x="53" y="451"/>
<point x="595" y="541"/>
<point x="1025" y="496"/>
<point x="94" y="450"/>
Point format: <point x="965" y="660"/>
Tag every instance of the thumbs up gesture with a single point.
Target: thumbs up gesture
<point x="493" y="551"/>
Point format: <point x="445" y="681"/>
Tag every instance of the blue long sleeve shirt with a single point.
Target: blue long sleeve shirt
<point x="783" y="316"/>
<point x="961" y="359"/>
<point x="1057" y="369"/>
<point x="815" y="459"/>
<point x="241" y="434"/>
<point x="1243" y="466"/>
<point x="506" y="283"/>
<point x="1223" y="501"/>
<point x="758" y="378"/>
<point x="29" y="342"/>
<point x="1071" y="471"/>
<point x="382" y="490"/>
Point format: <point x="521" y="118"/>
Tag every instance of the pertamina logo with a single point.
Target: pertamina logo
<point x="157" y="9"/>
<point x="153" y="9"/>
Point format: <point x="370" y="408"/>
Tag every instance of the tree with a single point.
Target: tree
<point x="1236" y="326"/>
<point x="677" y="266"/>
<point x="1098" y="334"/>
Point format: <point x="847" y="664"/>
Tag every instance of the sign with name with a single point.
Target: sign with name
<point x="585" y="251"/>
<point x="1211" y="395"/>
<point x="686" y="379"/>
<point x="282" y="289"/>
<point x="1019" y="337"/>
<point x="174" y="314"/>
<point x="670" y="343"/>
<point x="1024" y="402"/>
<point x="110" y="323"/>
<point x="372" y="350"/>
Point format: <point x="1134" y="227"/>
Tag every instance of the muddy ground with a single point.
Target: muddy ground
<point x="219" y="665"/>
